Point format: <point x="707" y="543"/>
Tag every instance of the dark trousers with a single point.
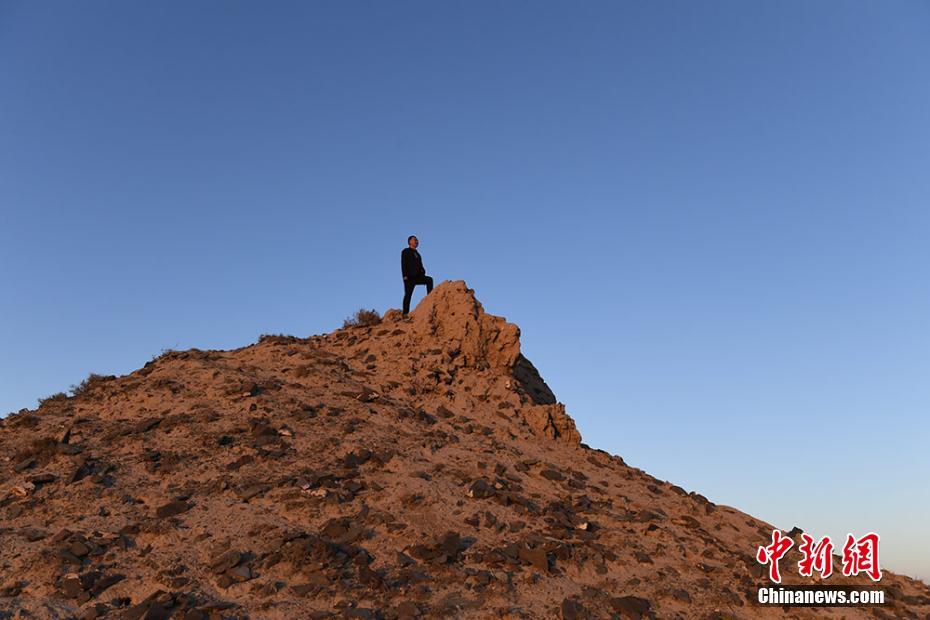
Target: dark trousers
<point x="411" y="282"/>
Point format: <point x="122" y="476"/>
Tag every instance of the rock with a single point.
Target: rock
<point x="551" y="421"/>
<point x="225" y="561"/>
<point x="146" y="425"/>
<point x="450" y="543"/>
<point x="444" y="551"/>
<point x="318" y="579"/>
<point x="83" y="468"/>
<point x="632" y="607"/>
<point x="709" y="506"/>
<point x="481" y="488"/>
<point x="98" y="610"/>
<point x="356" y="458"/>
<point x="535" y="557"/>
<point x="43" y="478"/>
<point x="22" y="490"/>
<point x="71" y="586"/>
<point x="483" y="577"/>
<point x="245" y="459"/>
<point x="642" y="557"/>
<point x="270" y="589"/>
<point x="172" y="508"/>
<point x="571" y="610"/>
<point x="10" y="590"/>
<point x="343" y="530"/>
<point x="456" y="320"/>
<point x="363" y="393"/>
<point x="419" y="415"/>
<point x="253" y="490"/>
<point x="105" y="582"/>
<point x="24" y="464"/>
<point x="407" y="610"/>
<point x="681" y="595"/>
<point x="33" y="534"/>
<point x="92" y="583"/>
<point x="64" y="435"/>
<point x="644" y="516"/>
<point x="156" y="606"/>
<point x="243" y="572"/>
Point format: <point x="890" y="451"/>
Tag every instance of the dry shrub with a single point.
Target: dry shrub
<point x="58" y="397"/>
<point x="91" y="383"/>
<point x="363" y="318"/>
<point x="163" y="354"/>
<point x="42" y="449"/>
<point x="278" y="339"/>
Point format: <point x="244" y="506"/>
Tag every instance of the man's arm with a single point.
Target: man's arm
<point x="406" y="263"/>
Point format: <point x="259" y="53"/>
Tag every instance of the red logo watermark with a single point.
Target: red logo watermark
<point x="817" y="557"/>
<point x="860" y="555"/>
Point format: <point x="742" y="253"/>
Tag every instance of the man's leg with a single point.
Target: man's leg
<point x="408" y="292"/>
<point x="429" y="284"/>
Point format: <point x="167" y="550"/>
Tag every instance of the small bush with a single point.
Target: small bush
<point x="42" y="449"/>
<point x="54" y="398"/>
<point x="363" y="318"/>
<point x="92" y="382"/>
<point x="163" y="354"/>
<point x="278" y="339"/>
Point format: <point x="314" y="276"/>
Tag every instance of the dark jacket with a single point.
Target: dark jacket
<point x="411" y="265"/>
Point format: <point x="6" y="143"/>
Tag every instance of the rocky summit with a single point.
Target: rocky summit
<point x="416" y="468"/>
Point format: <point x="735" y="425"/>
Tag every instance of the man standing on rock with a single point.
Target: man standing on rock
<point x="411" y="266"/>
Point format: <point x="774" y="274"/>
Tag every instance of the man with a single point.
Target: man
<point x="411" y="266"/>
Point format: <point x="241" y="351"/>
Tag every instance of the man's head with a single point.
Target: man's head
<point x="412" y="241"/>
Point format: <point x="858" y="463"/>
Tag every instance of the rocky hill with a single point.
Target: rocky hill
<point x="411" y="468"/>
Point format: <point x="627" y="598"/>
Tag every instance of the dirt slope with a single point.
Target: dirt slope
<point x="414" y="468"/>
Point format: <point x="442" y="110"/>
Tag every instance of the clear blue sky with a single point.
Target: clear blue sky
<point x="711" y="220"/>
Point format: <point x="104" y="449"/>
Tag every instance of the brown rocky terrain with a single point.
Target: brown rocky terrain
<point x="412" y="468"/>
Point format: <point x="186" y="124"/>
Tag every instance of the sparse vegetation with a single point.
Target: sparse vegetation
<point x="42" y="449"/>
<point x="363" y="318"/>
<point x="162" y="354"/>
<point x="89" y="384"/>
<point x="278" y="339"/>
<point x="54" y="398"/>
